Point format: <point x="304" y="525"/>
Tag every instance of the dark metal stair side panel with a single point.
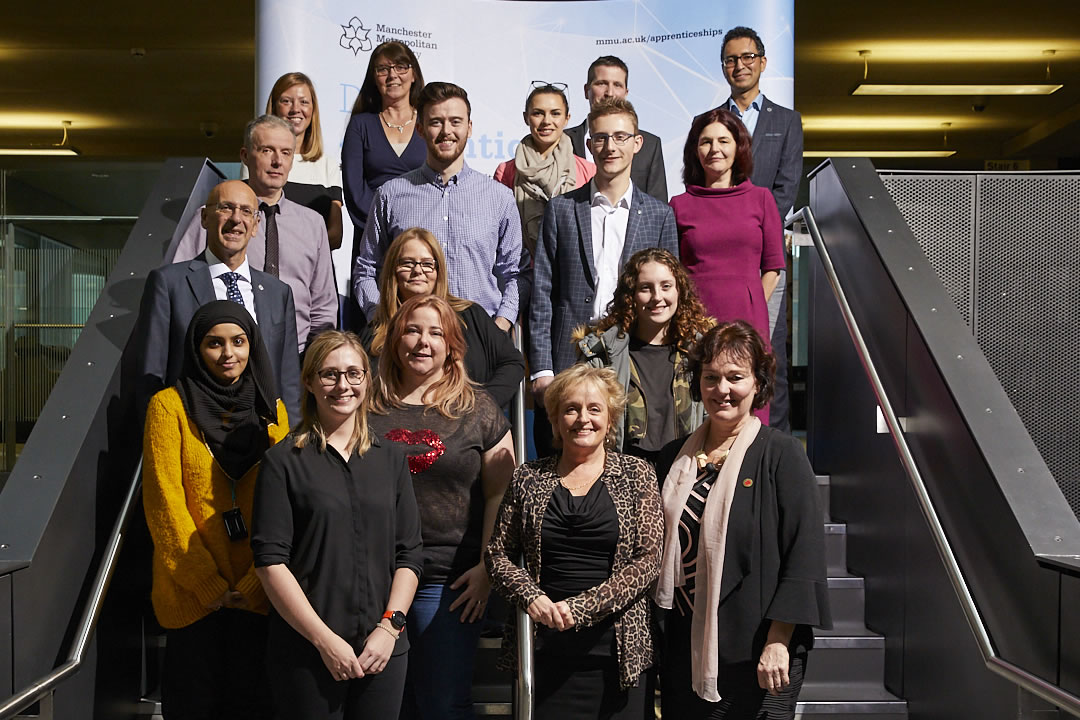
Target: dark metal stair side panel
<point x="931" y="657"/>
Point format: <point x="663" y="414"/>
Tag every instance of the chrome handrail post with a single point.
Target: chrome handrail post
<point x="524" y="683"/>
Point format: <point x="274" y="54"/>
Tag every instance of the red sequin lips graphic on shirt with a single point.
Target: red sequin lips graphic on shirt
<point x="419" y="463"/>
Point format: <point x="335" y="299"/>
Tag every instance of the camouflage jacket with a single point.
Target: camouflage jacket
<point x="612" y="349"/>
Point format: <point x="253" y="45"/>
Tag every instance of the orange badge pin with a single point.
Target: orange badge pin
<point x="747" y="482"/>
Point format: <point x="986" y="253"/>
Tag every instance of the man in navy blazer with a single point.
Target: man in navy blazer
<point x="777" y="146"/>
<point x="609" y="77"/>
<point x="174" y="292"/>
<point x="586" y="237"/>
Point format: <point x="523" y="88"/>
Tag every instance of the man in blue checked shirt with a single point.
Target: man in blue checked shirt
<point x="472" y="215"/>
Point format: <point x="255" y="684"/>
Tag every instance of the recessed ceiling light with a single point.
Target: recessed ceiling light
<point x="40" y="151"/>
<point x="880" y="123"/>
<point x="914" y="89"/>
<point x="878" y="153"/>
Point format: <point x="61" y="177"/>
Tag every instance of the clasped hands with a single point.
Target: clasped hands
<point x="556" y="616"/>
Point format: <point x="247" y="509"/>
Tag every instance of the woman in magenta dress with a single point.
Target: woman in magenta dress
<point x="730" y="236"/>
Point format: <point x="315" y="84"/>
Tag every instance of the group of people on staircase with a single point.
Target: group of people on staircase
<point x="329" y="518"/>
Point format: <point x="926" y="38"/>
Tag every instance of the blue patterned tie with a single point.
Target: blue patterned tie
<point x="232" y="287"/>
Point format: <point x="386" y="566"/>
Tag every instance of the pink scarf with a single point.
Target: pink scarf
<point x="712" y="538"/>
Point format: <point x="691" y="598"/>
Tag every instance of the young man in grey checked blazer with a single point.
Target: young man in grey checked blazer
<point x="586" y="237"/>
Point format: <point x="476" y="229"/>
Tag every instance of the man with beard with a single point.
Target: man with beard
<point x="473" y="216"/>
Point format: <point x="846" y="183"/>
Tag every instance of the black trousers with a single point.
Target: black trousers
<point x="780" y="405"/>
<point x="740" y="696"/>
<point x="302" y="687"/>
<point x="584" y="688"/>
<point x="215" y="668"/>
<point x="542" y="433"/>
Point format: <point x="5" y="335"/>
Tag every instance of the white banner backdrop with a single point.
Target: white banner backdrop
<point x="496" y="48"/>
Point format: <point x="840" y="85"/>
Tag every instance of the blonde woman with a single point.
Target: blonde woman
<point x="461" y="457"/>
<point x="588" y="522"/>
<point x="315" y="178"/>
<point x="334" y="504"/>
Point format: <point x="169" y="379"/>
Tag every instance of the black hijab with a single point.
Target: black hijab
<point x="232" y="418"/>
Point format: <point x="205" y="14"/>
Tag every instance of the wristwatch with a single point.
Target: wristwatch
<point x="396" y="618"/>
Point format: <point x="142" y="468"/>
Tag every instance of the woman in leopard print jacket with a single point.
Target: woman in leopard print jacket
<point x="589" y="523"/>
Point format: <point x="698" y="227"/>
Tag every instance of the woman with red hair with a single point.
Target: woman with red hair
<point x="730" y="236"/>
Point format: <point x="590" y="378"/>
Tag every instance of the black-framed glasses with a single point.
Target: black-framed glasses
<point x="745" y="59"/>
<point x="228" y="208"/>
<point x="428" y="266"/>
<point x="544" y="85"/>
<point x="329" y="377"/>
<point x="600" y="139"/>
<point x="398" y="68"/>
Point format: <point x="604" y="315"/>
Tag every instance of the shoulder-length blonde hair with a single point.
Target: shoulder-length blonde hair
<point x="389" y="301"/>
<point x="310" y="429"/>
<point x="689" y="321"/>
<point x="454" y="395"/>
<point x="311" y="147"/>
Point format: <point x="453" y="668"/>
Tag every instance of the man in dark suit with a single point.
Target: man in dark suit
<point x="777" y="146"/>
<point x="609" y="77"/>
<point x="174" y="292"/>
<point x="586" y="237"/>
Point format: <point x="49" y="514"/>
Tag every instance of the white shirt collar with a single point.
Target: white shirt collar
<point x="599" y="198"/>
<point x="217" y="267"/>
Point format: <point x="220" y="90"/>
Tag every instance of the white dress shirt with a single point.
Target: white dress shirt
<point x="218" y="268"/>
<point x="608" y="238"/>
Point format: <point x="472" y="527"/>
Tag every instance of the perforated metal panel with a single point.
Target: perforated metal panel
<point x="940" y="210"/>
<point x="1027" y="308"/>
<point x="1007" y="248"/>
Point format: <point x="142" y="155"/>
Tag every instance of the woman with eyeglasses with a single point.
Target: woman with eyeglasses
<point x="461" y="457"/>
<point x="381" y="141"/>
<point x="315" y="178"/>
<point x="203" y="443"/>
<point x="414" y="264"/>
<point x="544" y="163"/>
<point x="731" y="240"/>
<point x="336" y="540"/>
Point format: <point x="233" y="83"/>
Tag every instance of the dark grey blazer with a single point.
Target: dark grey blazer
<point x="647" y="171"/>
<point x="170" y="298"/>
<point x="778" y="148"/>
<point x="564" y="277"/>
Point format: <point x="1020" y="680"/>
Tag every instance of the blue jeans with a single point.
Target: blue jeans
<point x="442" y="652"/>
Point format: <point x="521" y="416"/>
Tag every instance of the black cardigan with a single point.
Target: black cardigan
<point x="774" y="561"/>
<point x="490" y="356"/>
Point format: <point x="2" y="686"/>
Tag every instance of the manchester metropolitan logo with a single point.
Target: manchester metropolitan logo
<point x="358" y="38"/>
<point x="355" y="37"/>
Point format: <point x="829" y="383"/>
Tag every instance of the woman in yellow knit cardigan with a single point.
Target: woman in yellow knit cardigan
<point x="203" y="442"/>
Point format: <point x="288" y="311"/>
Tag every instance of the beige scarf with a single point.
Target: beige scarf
<point x="712" y="538"/>
<point x="538" y="179"/>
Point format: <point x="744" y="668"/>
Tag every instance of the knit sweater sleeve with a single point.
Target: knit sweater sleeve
<point x="172" y="528"/>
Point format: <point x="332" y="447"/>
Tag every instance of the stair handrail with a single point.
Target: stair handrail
<point x="524" y="681"/>
<point x="84" y="632"/>
<point x="1049" y="692"/>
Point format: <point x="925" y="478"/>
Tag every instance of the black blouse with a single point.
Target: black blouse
<point x="577" y="541"/>
<point x="341" y="527"/>
<point x="577" y="550"/>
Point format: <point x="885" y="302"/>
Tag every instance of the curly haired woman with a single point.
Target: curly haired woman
<point x="645" y="337"/>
